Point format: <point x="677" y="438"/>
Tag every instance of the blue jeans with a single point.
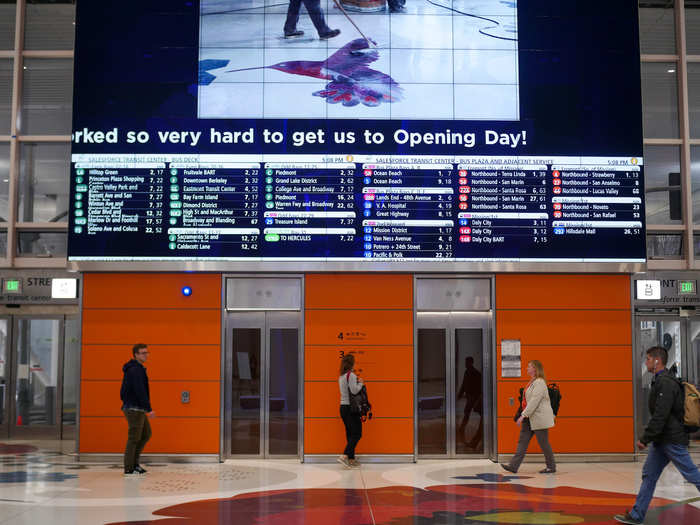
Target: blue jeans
<point x="659" y="456"/>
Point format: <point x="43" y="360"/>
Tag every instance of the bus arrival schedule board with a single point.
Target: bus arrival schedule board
<point x="482" y="131"/>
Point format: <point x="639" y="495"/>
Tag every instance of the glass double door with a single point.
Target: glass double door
<point x="454" y="384"/>
<point x="263" y="390"/>
<point x="680" y="336"/>
<point x="38" y="376"/>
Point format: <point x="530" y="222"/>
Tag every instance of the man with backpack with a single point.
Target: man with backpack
<point x="666" y="435"/>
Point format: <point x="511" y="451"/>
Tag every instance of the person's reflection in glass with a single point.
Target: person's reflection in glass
<point x="471" y="390"/>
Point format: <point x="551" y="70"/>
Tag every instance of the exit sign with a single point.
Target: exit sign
<point x="687" y="287"/>
<point x="12" y="286"/>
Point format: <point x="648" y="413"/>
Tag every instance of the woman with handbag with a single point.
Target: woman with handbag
<point x="349" y="382"/>
<point x="536" y="418"/>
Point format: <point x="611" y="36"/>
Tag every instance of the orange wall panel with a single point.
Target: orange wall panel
<point x="127" y="327"/>
<point x="170" y="435"/>
<point x="141" y="290"/>
<point x="592" y="435"/>
<point x="375" y="327"/>
<point x="555" y="291"/>
<point x="101" y="398"/>
<point x="565" y="327"/>
<point x="358" y="291"/>
<point x="563" y="363"/>
<point x="166" y="362"/>
<point x="379" y="436"/>
<point x="386" y="363"/>
<point x="579" y="398"/>
<point x="389" y="399"/>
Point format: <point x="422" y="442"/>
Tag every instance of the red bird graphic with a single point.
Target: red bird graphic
<point x="351" y="82"/>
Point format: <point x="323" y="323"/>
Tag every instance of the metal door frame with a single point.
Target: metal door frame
<point x="37" y="431"/>
<point x="452" y="321"/>
<point x="686" y="351"/>
<point x="263" y="320"/>
<point x="5" y="425"/>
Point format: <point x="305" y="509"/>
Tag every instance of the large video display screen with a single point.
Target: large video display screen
<point x="357" y="131"/>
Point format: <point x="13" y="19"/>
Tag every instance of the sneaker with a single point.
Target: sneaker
<point x="626" y="518"/>
<point x="130" y="473"/>
<point x="331" y="34"/>
<point x="508" y="468"/>
<point x="139" y="469"/>
<point x="354" y="463"/>
<point x="548" y="471"/>
<point x="343" y="460"/>
<point x="293" y="34"/>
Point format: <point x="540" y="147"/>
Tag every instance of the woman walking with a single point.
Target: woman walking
<point x="537" y="417"/>
<point x="349" y="382"/>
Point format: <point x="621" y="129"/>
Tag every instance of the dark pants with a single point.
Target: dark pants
<point x="526" y="434"/>
<point x="139" y="434"/>
<point x="313" y="7"/>
<point x="353" y="430"/>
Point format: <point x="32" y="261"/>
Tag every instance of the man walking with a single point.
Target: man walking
<point x="136" y="405"/>
<point x="665" y="435"/>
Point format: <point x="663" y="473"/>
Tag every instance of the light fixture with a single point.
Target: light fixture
<point x="671" y="70"/>
<point x="186" y="291"/>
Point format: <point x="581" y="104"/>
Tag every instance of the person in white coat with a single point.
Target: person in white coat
<point x="536" y="419"/>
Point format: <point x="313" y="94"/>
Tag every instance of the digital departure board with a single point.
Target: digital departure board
<point x="205" y="132"/>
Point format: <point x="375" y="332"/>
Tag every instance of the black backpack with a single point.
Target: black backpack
<point x="554" y="397"/>
<point x="359" y="403"/>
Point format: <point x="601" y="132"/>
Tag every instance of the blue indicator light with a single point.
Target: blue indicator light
<point x="368" y="254"/>
<point x="186" y="291"/>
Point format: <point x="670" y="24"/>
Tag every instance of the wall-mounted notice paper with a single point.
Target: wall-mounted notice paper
<point x="510" y="358"/>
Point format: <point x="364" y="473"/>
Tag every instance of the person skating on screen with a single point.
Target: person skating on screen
<point x="313" y="7"/>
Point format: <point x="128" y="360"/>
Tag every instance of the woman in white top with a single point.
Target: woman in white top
<point x="537" y="417"/>
<point x="349" y="382"/>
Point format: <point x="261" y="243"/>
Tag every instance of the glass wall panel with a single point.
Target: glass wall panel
<point x="3" y="244"/>
<point x="692" y="24"/>
<point x="43" y="182"/>
<point x="246" y="390"/>
<point x="49" y="25"/>
<point x="694" y="97"/>
<point x="662" y="168"/>
<point x="432" y="391"/>
<point x="38" y="349"/>
<point x="8" y="14"/>
<point x="657" y="27"/>
<point x="283" y="417"/>
<point x="4" y="371"/>
<point x="42" y="244"/>
<point x="4" y="181"/>
<point x="695" y="177"/>
<point x="5" y="95"/>
<point x="664" y="246"/>
<point x="660" y="100"/>
<point x="47" y="97"/>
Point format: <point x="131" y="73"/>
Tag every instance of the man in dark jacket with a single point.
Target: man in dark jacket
<point x="665" y="435"/>
<point x="136" y="405"/>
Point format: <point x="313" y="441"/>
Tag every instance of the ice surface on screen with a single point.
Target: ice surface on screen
<point x="433" y="59"/>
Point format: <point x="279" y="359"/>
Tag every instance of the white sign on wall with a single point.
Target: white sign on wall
<point x="649" y="290"/>
<point x="64" y="288"/>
